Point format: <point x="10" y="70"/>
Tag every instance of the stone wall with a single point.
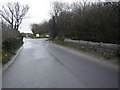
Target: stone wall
<point x="106" y="50"/>
<point x="9" y="34"/>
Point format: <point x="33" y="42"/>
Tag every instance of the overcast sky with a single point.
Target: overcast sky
<point x="39" y="11"/>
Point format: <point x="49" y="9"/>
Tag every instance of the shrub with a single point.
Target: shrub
<point x="9" y="47"/>
<point x="9" y="43"/>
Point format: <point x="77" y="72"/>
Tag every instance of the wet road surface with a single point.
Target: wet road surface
<point x="42" y="64"/>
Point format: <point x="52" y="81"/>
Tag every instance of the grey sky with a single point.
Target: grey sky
<point x="39" y="11"/>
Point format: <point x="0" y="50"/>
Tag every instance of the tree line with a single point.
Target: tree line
<point x="98" y="21"/>
<point x="40" y="28"/>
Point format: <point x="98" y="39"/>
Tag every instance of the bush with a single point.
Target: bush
<point x="9" y="47"/>
<point x="11" y="43"/>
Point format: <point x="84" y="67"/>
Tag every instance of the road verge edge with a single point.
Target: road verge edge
<point x="12" y="60"/>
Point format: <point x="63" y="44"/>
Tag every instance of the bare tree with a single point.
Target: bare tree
<point x="13" y="13"/>
<point x="41" y="28"/>
<point x="85" y="20"/>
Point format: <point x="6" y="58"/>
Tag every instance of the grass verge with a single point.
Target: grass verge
<point x="9" y="47"/>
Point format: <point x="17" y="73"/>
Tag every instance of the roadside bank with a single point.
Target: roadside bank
<point x="107" y="52"/>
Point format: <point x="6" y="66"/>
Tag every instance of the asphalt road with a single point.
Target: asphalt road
<point x="42" y="64"/>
